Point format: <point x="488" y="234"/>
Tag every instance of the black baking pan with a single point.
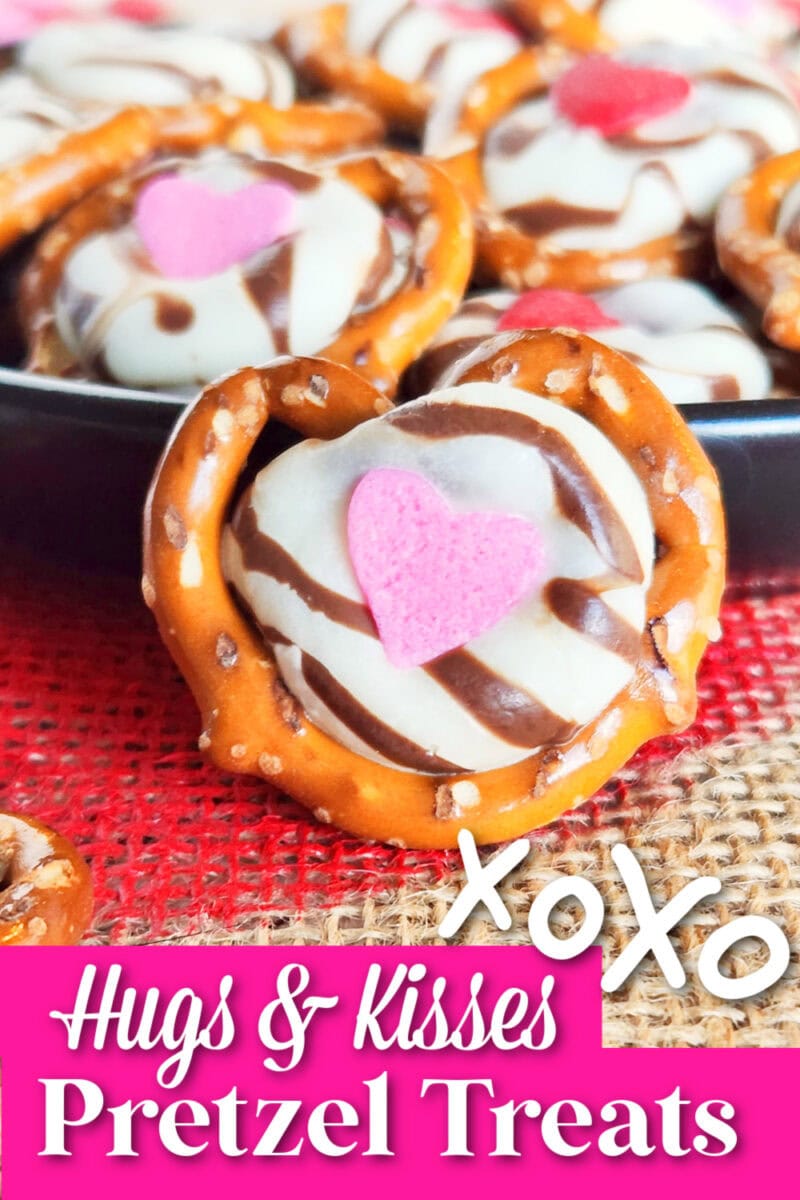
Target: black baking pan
<point x="76" y="459"/>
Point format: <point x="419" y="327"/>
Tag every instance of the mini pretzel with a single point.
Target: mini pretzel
<point x="36" y="190"/>
<point x="320" y="44"/>
<point x="378" y="341"/>
<point x="568" y="189"/>
<point x="251" y="722"/>
<point x="45" y="886"/>
<point x="578" y="28"/>
<point x="758" y="244"/>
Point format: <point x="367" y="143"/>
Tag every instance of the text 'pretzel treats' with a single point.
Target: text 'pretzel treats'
<point x="37" y="189"/>
<point x="253" y="721"/>
<point x="45" y="886"/>
<point x="402" y="226"/>
<point x="758" y="243"/>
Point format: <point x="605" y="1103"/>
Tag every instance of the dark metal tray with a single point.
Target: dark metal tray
<point x="76" y="459"/>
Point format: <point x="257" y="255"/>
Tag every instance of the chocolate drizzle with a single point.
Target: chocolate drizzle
<point x="575" y="603"/>
<point x="263" y="554"/>
<point x="173" y="315"/>
<point x="540" y="218"/>
<point x="505" y="710"/>
<point x="269" y="286"/>
<point x="367" y="727"/>
<point x="580" y="497"/>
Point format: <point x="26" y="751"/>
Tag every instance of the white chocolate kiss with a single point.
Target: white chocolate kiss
<point x="117" y="63"/>
<point x="300" y="501"/>
<point x="692" y="347"/>
<point x="415" y="41"/>
<point x="738" y="107"/>
<point x="107" y="304"/>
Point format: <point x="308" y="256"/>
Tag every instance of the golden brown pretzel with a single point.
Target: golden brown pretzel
<point x="751" y="251"/>
<point x="36" y="190"/>
<point x="45" y="886"/>
<point x="518" y="259"/>
<point x="560" y="20"/>
<point x="251" y="724"/>
<point x="379" y="343"/>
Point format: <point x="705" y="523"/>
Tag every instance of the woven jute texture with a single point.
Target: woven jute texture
<point x="735" y="814"/>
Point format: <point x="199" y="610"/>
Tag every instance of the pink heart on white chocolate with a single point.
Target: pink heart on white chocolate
<point x="435" y="579"/>
<point x="191" y="231"/>
<point x="20" y="19"/>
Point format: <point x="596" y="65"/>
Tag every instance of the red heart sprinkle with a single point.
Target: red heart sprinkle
<point x="613" y="97"/>
<point x="550" y="308"/>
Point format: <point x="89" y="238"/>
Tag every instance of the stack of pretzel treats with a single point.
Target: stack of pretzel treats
<point x="474" y="255"/>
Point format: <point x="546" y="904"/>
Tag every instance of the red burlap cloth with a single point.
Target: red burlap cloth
<point x="98" y="738"/>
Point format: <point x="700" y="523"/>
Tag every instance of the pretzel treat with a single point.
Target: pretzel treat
<point x="117" y="63"/>
<point x="457" y="616"/>
<point x="692" y="347"/>
<point x="399" y="56"/>
<point x="68" y="129"/>
<point x="587" y="25"/>
<point x="194" y="266"/>
<point x="615" y="174"/>
<point x="758" y="244"/>
<point x="45" y="886"/>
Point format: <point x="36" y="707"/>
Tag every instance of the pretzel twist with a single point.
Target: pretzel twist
<point x="378" y="343"/>
<point x="36" y="190"/>
<point x="45" y="886"/>
<point x="755" y="256"/>
<point x="252" y="724"/>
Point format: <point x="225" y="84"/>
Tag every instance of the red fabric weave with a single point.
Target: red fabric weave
<point x="98" y="738"/>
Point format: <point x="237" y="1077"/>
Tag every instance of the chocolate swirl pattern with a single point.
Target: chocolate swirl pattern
<point x="513" y="688"/>
<point x="123" y="320"/>
<point x="576" y="189"/>
<point x="692" y="347"/>
<point x="114" y="63"/>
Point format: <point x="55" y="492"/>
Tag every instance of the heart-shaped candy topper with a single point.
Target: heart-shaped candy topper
<point x="551" y="308"/>
<point x="191" y="231"/>
<point x="614" y="97"/>
<point x="435" y="579"/>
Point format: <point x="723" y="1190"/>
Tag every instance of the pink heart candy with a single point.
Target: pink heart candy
<point x="613" y="97"/>
<point x="435" y="579"/>
<point x="191" y="231"/>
